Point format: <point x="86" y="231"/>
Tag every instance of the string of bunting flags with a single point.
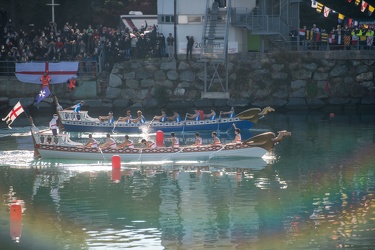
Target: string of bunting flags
<point x="326" y="10"/>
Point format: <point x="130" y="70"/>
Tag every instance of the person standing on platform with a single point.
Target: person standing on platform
<point x="170" y="44"/>
<point x="53" y="124"/>
<point x="189" y="47"/>
<point x="78" y="106"/>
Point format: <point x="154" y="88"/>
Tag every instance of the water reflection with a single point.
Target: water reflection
<point x="316" y="191"/>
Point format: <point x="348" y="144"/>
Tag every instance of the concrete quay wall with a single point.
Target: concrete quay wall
<point x="340" y="80"/>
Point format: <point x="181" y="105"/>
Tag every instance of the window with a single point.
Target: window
<point x="194" y="19"/>
<point x="166" y="18"/>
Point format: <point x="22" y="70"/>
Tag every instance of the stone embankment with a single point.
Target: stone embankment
<point x="285" y="80"/>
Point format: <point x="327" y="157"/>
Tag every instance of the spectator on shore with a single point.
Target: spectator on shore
<point x="170" y="44"/>
<point x="45" y="79"/>
<point x="189" y="47"/>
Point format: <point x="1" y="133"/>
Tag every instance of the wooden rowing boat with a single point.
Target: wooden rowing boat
<point x="61" y="146"/>
<point x="83" y="122"/>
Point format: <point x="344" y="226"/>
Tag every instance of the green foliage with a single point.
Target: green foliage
<point x="161" y="95"/>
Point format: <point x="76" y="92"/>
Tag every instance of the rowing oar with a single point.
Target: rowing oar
<point x="183" y="128"/>
<point x="218" y="123"/>
<point x="149" y="125"/>
<point x="140" y="154"/>
<point x="100" y="150"/>
<point x="214" y="153"/>
<point x="114" y="126"/>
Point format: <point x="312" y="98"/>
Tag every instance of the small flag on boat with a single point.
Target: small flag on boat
<point x="13" y="114"/>
<point x="44" y="93"/>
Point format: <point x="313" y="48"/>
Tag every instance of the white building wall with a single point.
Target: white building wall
<point x="250" y="4"/>
<point x="197" y="8"/>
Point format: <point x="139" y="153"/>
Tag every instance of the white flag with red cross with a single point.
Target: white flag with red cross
<point x="59" y="72"/>
<point x="13" y="114"/>
<point x="326" y="11"/>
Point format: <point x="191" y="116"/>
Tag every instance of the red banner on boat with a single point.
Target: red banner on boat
<point x="59" y="72"/>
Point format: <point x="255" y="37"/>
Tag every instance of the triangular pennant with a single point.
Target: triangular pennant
<point x="357" y="2"/>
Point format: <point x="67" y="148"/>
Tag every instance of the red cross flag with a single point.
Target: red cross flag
<point x="363" y="6"/>
<point x="326" y="11"/>
<point x="59" y="72"/>
<point x="13" y="114"/>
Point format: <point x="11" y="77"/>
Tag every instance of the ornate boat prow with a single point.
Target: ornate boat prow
<point x="254" y="114"/>
<point x="267" y="140"/>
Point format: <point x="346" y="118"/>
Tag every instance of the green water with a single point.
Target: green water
<point x="315" y="192"/>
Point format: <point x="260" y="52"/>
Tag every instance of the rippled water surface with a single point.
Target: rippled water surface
<point x="315" y="191"/>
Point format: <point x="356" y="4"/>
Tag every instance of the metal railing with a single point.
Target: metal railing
<point x="258" y="24"/>
<point x="86" y="69"/>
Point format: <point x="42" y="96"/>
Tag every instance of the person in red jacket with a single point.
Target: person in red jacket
<point x="45" y="79"/>
<point x="72" y="84"/>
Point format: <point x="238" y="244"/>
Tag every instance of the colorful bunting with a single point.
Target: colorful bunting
<point x="370" y="10"/>
<point x="341" y="18"/>
<point x="319" y="7"/>
<point x="363" y="6"/>
<point x="326" y="11"/>
<point x="357" y="2"/>
<point x="350" y="22"/>
<point x="314" y="4"/>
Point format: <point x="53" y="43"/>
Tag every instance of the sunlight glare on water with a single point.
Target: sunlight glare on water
<point x="315" y="190"/>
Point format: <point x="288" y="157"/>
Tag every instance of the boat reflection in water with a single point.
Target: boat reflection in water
<point x="16" y="210"/>
<point x="150" y="168"/>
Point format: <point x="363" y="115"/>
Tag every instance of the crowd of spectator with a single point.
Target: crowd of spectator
<point x="346" y="37"/>
<point x="73" y="42"/>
